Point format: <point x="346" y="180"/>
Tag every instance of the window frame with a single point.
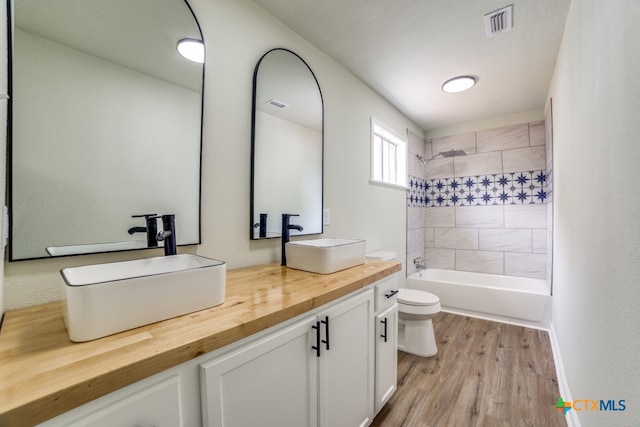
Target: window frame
<point x="377" y="170"/>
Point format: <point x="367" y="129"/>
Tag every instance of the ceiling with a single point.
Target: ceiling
<point x="139" y="34"/>
<point x="406" y="49"/>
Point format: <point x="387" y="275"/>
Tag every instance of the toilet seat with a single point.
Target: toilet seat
<point x="416" y="297"/>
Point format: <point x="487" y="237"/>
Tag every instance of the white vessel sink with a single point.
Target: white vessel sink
<point x="104" y="299"/>
<point x="325" y="256"/>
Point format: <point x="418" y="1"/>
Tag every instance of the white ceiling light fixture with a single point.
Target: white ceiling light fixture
<point x="192" y="49"/>
<point x="459" y="84"/>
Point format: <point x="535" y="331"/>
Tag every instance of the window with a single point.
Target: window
<point x="388" y="156"/>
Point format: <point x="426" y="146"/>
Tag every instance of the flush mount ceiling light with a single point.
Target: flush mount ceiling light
<point x="459" y="84"/>
<point x="192" y="49"/>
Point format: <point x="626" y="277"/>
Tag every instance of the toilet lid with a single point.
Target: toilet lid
<point x="416" y="297"/>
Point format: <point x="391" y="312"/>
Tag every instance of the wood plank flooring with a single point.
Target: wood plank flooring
<point x="485" y="374"/>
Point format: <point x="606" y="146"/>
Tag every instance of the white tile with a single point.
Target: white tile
<point x="440" y="217"/>
<point x="416" y="143"/>
<point x="503" y="138"/>
<point x="415" y="239"/>
<point x="524" y="159"/>
<point x="536" y="133"/>
<point x="465" y="142"/>
<point x="411" y="268"/>
<point x="539" y="241"/>
<point x="479" y="216"/>
<point x="415" y="217"/>
<point x="548" y="136"/>
<point x="525" y="265"/>
<point x="417" y="167"/>
<point x="440" y="258"/>
<point x="428" y="151"/>
<point x="525" y="216"/>
<point x="505" y="239"/>
<point x="478" y="164"/>
<point x="439" y="168"/>
<point x="456" y="238"/>
<point x="429" y="237"/>
<point x="480" y="261"/>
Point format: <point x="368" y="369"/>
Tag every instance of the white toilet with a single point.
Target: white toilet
<point x="415" y="313"/>
<point x="416" y="309"/>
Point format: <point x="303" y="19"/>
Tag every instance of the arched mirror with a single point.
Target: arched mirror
<point x="287" y="146"/>
<point x="106" y="124"/>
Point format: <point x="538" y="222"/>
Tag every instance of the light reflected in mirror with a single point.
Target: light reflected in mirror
<point x="287" y="146"/>
<point x="107" y="119"/>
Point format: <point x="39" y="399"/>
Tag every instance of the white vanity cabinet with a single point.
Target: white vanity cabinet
<point x="155" y="401"/>
<point x="269" y="382"/>
<point x="346" y="369"/>
<point x="386" y="341"/>
<point x="315" y="372"/>
<point x="386" y="355"/>
<point x="329" y="367"/>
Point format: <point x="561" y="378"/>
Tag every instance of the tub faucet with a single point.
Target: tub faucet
<point x="286" y="226"/>
<point x="151" y="229"/>
<point x="420" y="263"/>
<point x="168" y="233"/>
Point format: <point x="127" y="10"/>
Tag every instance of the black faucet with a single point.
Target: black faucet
<point x="151" y="229"/>
<point x="263" y="226"/>
<point x="286" y="236"/>
<point x="168" y="233"/>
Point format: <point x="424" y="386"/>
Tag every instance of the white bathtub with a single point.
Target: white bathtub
<point x="517" y="300"/>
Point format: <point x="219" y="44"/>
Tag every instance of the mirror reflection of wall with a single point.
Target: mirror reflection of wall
<point x="106" y="124"/>
<point x="287" y="145"/>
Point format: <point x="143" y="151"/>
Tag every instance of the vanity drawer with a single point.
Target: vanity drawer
<point x="386" y="291"/>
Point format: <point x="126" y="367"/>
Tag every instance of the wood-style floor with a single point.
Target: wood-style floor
<point x="485" y="374"/>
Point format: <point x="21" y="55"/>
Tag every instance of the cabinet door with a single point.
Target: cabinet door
<point x="346" y="367"/>
<point x="142" y="404"/>
<point x="386" y="355"/>
<point x="270" y="382"/>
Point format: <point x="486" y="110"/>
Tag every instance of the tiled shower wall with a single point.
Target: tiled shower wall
<point x="487" y="211"/>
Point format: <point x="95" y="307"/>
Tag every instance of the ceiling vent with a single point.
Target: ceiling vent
<point x="498" y="21"/>
<point x="276" y="103"/>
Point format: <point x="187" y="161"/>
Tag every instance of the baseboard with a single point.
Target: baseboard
<point x="563" y="385"/>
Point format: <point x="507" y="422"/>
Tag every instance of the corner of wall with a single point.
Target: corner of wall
<point x="4" y="106"/>
<point x="563" y="385"/>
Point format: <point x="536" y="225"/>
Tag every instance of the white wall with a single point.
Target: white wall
<point x="596" y="105"/>
<point x="3" y="140"/>
<point x="286" y="149"/>
<point x="237" y="33"/>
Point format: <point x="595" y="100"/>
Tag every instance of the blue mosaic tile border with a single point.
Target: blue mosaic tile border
<point x="518" y="188"/>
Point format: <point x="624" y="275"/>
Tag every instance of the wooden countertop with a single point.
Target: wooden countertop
<point x="43" y="374"/>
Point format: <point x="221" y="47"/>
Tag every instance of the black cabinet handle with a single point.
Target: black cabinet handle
<point x="326" y="331"/>
<point x="390" y="294"/>
<point x="317" y="346"/>
<point x="384" y="335"/>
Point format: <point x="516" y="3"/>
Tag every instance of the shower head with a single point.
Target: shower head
<point x="445" y="154"/>
<point x="451" y="153"/>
